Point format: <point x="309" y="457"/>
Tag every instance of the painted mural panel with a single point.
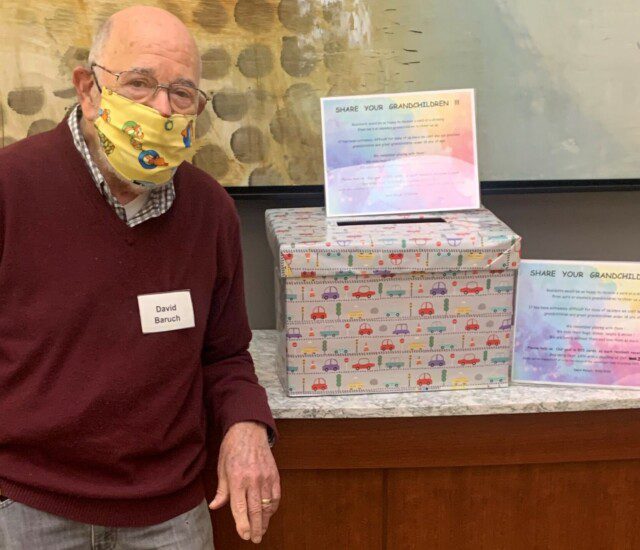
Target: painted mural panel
<point x="557" y="85"/>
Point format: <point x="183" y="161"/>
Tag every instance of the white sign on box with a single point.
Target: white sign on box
<point x="399" y="153"/>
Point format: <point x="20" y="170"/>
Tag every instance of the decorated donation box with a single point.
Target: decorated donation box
<point x="392" y="304"/>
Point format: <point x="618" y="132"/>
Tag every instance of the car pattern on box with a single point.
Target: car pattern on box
<point x="493" y="343"/>
<point x="471" y="324"/>
<point x="363" y="292"/>
<point x="493" y="340"/>
<point x="396" y="292"/>
<point x="363" y="364"/>
<point x="318" y="313"/>
<point x="343" y="275"/>
<point x="471" y="288"/>
<point x="467" y="227"/>
<point x="468" y="359"/>
<point x="426" y="309"/>
<point x="330" y="365"/>
<point x="383" y="273"/>
<point x="460" y="382"/>
<point x="503" y="288"/>
<point x="438" y="288"/>
<point x="439" y="291"/>
<point x="319" y="384"/>
<point x="330" y="293"/>
<point x="387" y="345"/>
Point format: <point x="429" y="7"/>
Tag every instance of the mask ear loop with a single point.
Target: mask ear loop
<point x="95" y="78"/>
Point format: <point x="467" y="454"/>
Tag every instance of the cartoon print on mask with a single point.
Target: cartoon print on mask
<point x="106" y="143"/>
<point x="104" y="114"/>
<point x="150" y="159"/>
<point x="187" y="133"/>
<point x="135" y="133"/>
<point x="141" y="146"/>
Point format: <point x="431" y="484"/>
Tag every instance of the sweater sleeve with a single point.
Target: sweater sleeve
<point x="231" y="388"/>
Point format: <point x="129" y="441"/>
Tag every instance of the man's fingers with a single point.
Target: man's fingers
<point x="271" y="493"/>
<point x="275" y="492"/>
<point x="222" y="494"/>
<point x="255" y="513"/>
<point x="251" y="475"/>
<point x="238" y="499"/>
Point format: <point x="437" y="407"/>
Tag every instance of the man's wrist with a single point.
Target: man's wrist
<point x="271" y="435"/>
<point x="269" y="431"/>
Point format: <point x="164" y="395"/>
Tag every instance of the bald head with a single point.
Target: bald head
<point x="147" y="32"/>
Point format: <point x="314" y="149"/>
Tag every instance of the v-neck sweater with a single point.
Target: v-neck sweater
<point x="99" y="422"/>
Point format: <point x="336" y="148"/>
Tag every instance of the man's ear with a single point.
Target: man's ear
<point x="88" y="94"/>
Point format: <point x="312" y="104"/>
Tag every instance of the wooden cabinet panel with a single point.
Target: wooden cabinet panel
<point x="458" y="440"/>
<point x="542" y="506"/>
<point x="513" y="482"/>
<point x="320" y="510"/>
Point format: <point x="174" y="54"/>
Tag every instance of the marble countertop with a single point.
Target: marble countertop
<point x="512" y="400"/>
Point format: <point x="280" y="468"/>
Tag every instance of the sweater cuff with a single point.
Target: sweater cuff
<point x="253" y="412"/>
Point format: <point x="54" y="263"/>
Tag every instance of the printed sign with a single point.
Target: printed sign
<point x="400" y="153"/>
<point x="578" y="323"/>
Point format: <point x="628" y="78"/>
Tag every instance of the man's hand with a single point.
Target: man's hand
<point x="248" y="476"/>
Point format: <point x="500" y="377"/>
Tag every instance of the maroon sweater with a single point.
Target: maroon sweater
<point x="99" y="422"/>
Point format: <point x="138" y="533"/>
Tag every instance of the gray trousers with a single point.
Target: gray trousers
<point x="25" y="528"/>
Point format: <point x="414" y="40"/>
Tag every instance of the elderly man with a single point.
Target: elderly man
<point x="123" y="328"/>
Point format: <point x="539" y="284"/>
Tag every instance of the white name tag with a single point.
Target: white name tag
<point x="166" y="311"/>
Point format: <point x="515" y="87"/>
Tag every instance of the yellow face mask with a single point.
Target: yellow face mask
<point x="139" y="142"/>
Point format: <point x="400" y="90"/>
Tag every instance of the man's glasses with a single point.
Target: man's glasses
<point x="140" y="86"/>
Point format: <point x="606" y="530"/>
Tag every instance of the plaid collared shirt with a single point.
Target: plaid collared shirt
<point x="159" y="199"/>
